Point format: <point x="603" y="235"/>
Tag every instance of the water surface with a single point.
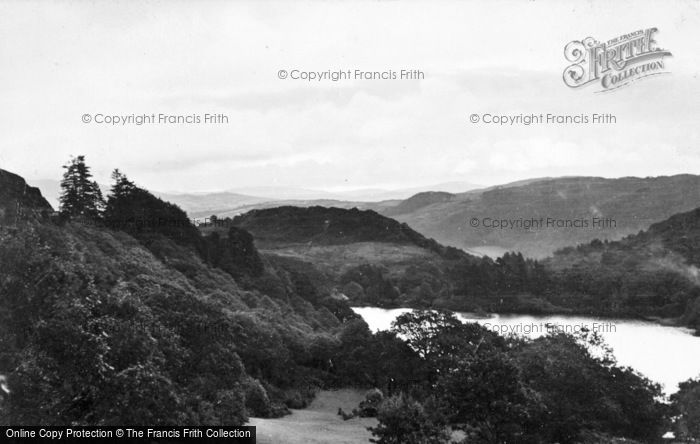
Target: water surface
<point x="667" y="355"/>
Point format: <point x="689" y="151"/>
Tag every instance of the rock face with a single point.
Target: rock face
<point x="19" y="200"/>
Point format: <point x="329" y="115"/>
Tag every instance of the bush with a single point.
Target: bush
<point x="370" y="406"/>
<point x="404" y="420"/>
<point x="229" y="408"/>
<point x="257" y="402"/>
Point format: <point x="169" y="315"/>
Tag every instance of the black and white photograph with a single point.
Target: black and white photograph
<point x="350" y="222"/>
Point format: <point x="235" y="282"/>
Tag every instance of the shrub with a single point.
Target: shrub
<point x="404" y="420"/>
<point x="257" y="402"/>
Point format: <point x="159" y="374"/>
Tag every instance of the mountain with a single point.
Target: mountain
<point x="240" y="200"/>
<point x="631" y="204"/>
<point x="202" y="205"/>
<point x="354" y="195"/>
<point x="285" y="193"/>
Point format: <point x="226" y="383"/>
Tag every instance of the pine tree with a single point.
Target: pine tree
<point x="122" y="186"/>
<point x="118" y="208"/>
<point x="80" y="195"/>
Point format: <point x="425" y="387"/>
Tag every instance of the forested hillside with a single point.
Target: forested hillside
<point x="653" y="273"/>
<point x="135" y="318"/>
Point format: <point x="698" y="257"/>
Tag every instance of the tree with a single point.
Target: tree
<point x="687" y="403"/>
<point x="441" y="339"/>
<point x="485" y="396"/>
<point x="404" y="420"/>
<point x="80" y="195"/>
<point x="122" y="186"/>
<point x="426" y="330"/>
<point x="146" y="217"/>
<point x="582" y="392"/>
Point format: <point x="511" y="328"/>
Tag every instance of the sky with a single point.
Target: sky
<point x="64" y="60"/>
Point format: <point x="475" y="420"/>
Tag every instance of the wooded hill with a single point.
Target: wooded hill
<point x="135" y="318"/>
<point x="374" y="260"/>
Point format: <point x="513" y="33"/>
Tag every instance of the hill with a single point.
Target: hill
<point x="327" y="226"/>
<point x="653" y="273"/>
<point x="633" y="203"/>
<point x="328" y="203"/>
<point x="374" y="260"/>
<point x="419" y="201"/>
<point x="367" y="257"/>
<point x="680" y="234"/>
<point x="135" y="318"/>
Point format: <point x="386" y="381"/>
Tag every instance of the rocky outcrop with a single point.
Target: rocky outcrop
<point x="19" y="201"/>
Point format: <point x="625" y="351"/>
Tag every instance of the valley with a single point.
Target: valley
<point x="271" y="290"/>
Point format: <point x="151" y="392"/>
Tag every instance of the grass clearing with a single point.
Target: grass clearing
<point x="319" y="423"/>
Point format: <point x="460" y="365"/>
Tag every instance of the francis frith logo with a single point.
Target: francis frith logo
<point x="615" y="63"/>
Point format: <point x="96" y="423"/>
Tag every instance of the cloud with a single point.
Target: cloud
<point x="77" y="58"/>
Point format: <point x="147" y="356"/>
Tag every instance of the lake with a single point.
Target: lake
<point x="667" y="355"/>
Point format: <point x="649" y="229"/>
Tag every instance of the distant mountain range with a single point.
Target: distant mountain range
<point x="631" y="204"/>
<point x="358" y="195"/>
<point x="238" y="200"/>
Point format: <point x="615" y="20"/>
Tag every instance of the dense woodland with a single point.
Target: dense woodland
<point x="120" y="311"/>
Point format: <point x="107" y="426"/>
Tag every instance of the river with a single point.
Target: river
<point x="667" y="355"/>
